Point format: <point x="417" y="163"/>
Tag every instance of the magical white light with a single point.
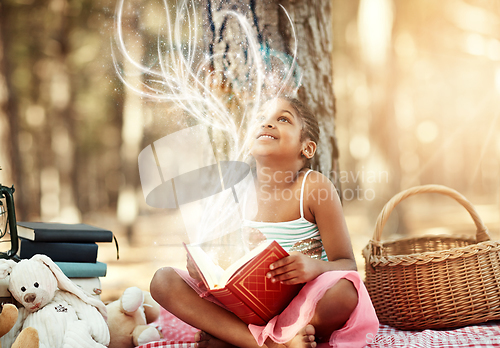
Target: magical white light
<point x="184" y="74"/>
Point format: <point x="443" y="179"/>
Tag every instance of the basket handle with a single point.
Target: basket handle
<point x="481" y="230"/>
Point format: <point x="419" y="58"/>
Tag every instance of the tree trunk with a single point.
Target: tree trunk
<point x="312" y="22"/>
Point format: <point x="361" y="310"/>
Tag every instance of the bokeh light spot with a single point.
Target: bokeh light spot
<point x="359" y="146"/>
<point x="427" y="132"/>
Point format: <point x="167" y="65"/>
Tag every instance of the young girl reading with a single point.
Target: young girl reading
<point x="300" y="209"/>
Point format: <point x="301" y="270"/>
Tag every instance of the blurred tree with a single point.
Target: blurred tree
<point x="59" y="107"/>
<point x="16" y="90"/>
<point x="132" y="118"/>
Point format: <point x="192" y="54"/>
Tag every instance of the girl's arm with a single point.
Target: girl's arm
<point x="321" y="205"/>
<point x="326" y="208"/>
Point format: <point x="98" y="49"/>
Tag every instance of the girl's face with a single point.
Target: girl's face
<point x="277" y="131"/>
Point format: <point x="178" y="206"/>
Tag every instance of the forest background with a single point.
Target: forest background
<point x="416" y="89"/>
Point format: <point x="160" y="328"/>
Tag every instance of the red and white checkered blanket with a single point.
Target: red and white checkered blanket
<point x="180" y="335"/>
<point x="484" y="335"/>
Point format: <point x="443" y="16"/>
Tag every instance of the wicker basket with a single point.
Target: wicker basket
<point x="433" y="281"/>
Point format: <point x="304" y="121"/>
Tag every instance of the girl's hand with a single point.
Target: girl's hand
<point x="192" y="269"/>
<point x="294" y="269"/>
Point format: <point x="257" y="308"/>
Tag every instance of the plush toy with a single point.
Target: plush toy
<point x="28" y="338"/>
<point x="62" y="313"/>
<point x="128" y="318"/>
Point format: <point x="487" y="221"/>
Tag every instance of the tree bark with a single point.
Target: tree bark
<point x="312" y="22"/>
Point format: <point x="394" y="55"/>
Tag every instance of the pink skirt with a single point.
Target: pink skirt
<point x="362" y="324"/>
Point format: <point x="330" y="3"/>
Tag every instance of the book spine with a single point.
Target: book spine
<point x="59" y="252"/>
<point x="236" y="306"/>
<point x="72" y="236"/>
<point x="83" y="269"/>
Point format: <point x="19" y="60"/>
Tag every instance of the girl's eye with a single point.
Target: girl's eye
<point x="36" y="285"/>
<point x="23" y="289"/>
<point x="283" y="119"/>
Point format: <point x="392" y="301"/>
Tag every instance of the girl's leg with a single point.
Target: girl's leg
<point x="331" y="313"/>
<point x="334" y="309"/>
<point x="173" y="294"/>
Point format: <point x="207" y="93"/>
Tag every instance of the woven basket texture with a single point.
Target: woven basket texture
<point x="433" y="282"/>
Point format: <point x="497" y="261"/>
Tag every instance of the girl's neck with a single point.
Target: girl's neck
<point x="278" y="176"/>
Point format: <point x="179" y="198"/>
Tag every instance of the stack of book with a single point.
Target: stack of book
<point x="73" y="247"/>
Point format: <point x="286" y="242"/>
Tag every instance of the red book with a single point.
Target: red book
<point x="243" y="287"/>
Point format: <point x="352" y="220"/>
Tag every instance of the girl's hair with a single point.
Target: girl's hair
<point x="310" y="126"/>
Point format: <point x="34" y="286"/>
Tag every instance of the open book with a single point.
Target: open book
<point x="243" y="287"/>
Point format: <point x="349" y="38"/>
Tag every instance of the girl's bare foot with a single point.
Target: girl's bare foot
<point x="304" y="338"/>
<point x="204" y="340"/>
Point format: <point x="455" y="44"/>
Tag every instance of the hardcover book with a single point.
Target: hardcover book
<point x="83" y="269"/>
<point x="60" y="232"/>
<point x="243" y="287"/>
<point x="63" y="252"/>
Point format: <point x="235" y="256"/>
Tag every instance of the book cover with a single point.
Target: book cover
<point x="62" y="252"/>
<point x="60" y="232"/>
<point x="243" y="287"/>
<point x="83" y="269"/>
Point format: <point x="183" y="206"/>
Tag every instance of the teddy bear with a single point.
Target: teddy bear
<point x="28" y="338"/>
<point x="128" y="318"/>
<point x="61" y="312"/>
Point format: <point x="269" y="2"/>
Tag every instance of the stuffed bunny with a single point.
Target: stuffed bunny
<point x="62" y="313"/>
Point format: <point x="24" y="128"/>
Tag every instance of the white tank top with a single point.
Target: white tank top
<point x="296" y="235"/>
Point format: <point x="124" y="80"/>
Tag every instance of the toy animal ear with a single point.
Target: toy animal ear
<point x="6" y="267"/>
<point x="64" y="283"/>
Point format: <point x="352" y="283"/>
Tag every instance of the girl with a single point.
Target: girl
<point x="300" y="209"/>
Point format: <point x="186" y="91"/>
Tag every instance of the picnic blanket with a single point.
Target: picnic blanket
<point x="178" y="334"/>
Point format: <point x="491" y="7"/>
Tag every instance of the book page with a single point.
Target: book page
<point x="210" y="271"/>
<point x="228" y="273"/>
<point x="227" y="249"/>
